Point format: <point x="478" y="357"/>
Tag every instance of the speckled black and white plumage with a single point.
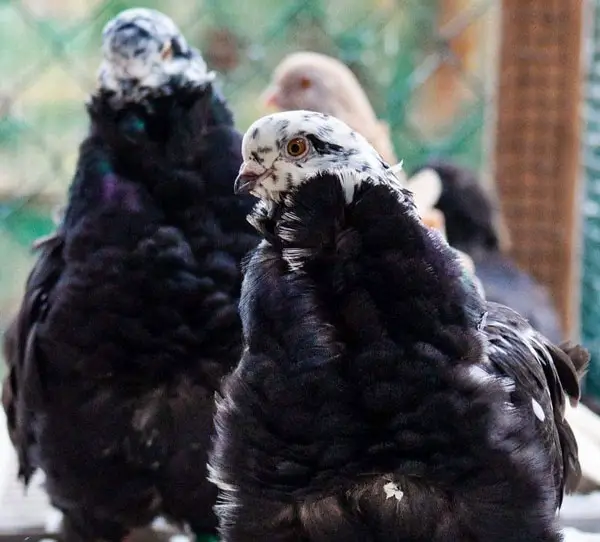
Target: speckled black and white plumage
<point x="379" y="397"/>
<point x="278" y="175"/>
<point x="129" y="319"/>
<point x="145" y="54"/>
<point x="470" y="221"/>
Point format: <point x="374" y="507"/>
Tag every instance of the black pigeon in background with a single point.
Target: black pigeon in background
<point x="379" y="398"/>
<point x="470" y="227"/>
<point x="129" y="319"/>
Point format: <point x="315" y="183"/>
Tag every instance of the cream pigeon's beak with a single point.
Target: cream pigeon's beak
<point x="250" y="175"/>
<point x="269" y="97"/>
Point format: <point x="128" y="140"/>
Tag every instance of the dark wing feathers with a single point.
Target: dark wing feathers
<point x="572" y="364"/>
<point x="545" y="373"/>
<point x="303" y="433"/>
<point x="504" y="283"/>
<point x="129" y="319"/>
<point x="23" y="388"/>
<point x="471" y="226"/>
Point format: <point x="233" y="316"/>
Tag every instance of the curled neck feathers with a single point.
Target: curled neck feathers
<point x="185" y="130"/>
<point x="375" y="241"/>
<point x="181" y="148"/>
<point x="185" y="112"/>
<point x="340" y="298"/>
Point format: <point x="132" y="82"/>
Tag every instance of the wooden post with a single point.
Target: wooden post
<point x="537" y="141"/>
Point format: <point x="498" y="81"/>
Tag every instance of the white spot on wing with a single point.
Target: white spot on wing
<point x="538" y="410"/>
<point x="214" y="477"/>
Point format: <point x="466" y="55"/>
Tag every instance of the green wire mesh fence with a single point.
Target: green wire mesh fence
<point x="590" y="285"/>
<point x="405" y="52"/>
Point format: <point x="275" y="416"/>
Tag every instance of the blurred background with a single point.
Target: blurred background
<point x="510" y="88"/>
<point x="499" y="86"/>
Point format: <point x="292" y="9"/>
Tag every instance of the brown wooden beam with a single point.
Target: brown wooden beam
<point x="537" y="141"/>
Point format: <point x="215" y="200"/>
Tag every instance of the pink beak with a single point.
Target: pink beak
<point x="247" y="178"/>
<point x="269" y="97"/>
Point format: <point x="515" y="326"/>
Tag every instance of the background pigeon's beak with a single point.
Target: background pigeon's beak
<point x="269" y="97"/>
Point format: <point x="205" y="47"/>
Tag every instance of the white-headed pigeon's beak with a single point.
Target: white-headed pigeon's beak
<point x="248" y="177"/>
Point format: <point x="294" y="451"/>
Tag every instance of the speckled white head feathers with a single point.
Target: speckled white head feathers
<point x="284" y="150"/>
<point x="142" y="50"/>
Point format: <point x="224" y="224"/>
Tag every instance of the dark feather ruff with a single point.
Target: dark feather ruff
<point x="129" y="319"/>
<point x="470" y="221"/>
<point x="357" y="374"/>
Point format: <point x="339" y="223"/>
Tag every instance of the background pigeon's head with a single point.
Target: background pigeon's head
<point x="144" y="51"/>
<point x="307" y="80"/>
<point x="284" y="150"/>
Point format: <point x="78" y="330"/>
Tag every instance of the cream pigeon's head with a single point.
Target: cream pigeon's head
<point x="317" y="82"/>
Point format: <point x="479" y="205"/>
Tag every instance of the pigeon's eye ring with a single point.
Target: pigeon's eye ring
<point x="297" y="147"/>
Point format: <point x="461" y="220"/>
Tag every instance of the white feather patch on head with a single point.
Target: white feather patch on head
<point x="133" y="46"/>
<point x="344" y="153"/>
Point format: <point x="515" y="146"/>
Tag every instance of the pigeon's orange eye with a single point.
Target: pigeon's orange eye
<point x="297" y="147"/>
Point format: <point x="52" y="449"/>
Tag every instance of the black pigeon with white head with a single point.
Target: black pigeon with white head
<point x="282" y="153"/>
<point x="379" y="397"/>
<point x="129" y="319"/>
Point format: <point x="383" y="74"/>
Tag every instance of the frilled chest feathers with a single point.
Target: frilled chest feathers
<point x="328" y="200"/>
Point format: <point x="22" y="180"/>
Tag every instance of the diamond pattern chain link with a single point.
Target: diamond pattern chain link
<point x="404" y="52"/>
